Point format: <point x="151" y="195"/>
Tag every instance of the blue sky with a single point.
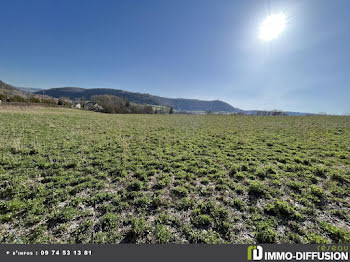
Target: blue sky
<point x="205" y="49"/>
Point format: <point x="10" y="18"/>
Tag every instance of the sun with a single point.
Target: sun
<point x="272" y="27"/>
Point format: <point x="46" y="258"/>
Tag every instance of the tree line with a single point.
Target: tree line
<point x="35" y="99"/>
<point x="117" y="105"/>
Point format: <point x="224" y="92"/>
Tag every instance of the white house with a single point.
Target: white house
<point x="76" y="105"/>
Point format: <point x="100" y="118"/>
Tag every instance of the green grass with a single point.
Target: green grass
<point x="70" y="176"/>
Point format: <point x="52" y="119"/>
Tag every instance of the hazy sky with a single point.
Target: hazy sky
<point x="206" y="49"/>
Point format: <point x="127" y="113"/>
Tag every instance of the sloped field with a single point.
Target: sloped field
<point x="70" y="176"/>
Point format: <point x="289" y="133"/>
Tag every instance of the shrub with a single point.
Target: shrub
<point x="207" y="237"/>
<point x="270" y="170"/>
<point x="205" y="181"/>
<point x="64" y="215"/>
<point x="17" y="99"/>
<point x="14" y="205"/>
<point x="340" y="178"/>
<point x="234" y="169"/>
<point x="163" y="182"/>
<point x="317" y="191"/>
<point x="36" y="234"/>
<point x="164" y="218"/>
<point x="106" y="238"/>
<point x="261" y="172"/>
<point x="34" y="100"/>
<point x="339" y="235"/>
<point x="313" y="238"/>
<point x="100" y="238"/>
<point x="108" y="221"/>
<point x="265" y="234"/>
<point x="163" y="235"/>
<point x="106" y="208"/>
<point x="143" y="201"/>
<point x="180" y="191"/>
<point x="239" y="204"/>
<point x="296" y="238"/>
<point x="240" y="175"/>
<point x="186" y="203"/>
<point x="201" y="220"/>
<point x="157" y="201"/>
<point x="135" y="185"/>
<point x="320" y="171"/>
<point x="141" y="175"/>
<point x="100" y="198"/>
<point x="76" y="201"/>
<point x="295" y="185"/>
<point x="282" y="209"/>
<point x="83" y="231"/>
<point x="256" y="188"/>
<point x="209" y="213"/>
<point x="138" y="226"/>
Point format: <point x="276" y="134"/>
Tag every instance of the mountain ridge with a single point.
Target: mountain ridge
<point x="179" y="104"/>
<point x="185" y="105"/>
<point x="6" y="89"/>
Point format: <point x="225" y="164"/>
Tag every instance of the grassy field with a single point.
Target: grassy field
<point x="70" y="176"/>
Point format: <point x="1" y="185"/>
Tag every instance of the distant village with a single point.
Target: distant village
<point x="119" y="104"/>
<point x="88" y="105"/>
<point x="110" y="104"/>
<point x="98" y="103"/>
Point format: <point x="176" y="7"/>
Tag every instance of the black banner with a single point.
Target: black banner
<point x="154" y="253"/>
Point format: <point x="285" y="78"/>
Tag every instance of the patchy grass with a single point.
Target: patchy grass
<point x="70" y="176"/>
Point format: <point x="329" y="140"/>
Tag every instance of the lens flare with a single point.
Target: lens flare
<point x="272" y="27"/>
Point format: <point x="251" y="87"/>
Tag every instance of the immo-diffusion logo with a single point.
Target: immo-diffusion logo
<point x="255" y="253"/>
<point x="332" y="253"/>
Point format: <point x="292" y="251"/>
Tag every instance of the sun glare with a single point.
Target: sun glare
<point x="272" y="27"/>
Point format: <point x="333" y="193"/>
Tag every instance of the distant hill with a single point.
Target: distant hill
<point x="289" y="113"/>
<point x="29" y="89"/>
<point x="9" y="90"/>
<point x="179" y="104"/>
